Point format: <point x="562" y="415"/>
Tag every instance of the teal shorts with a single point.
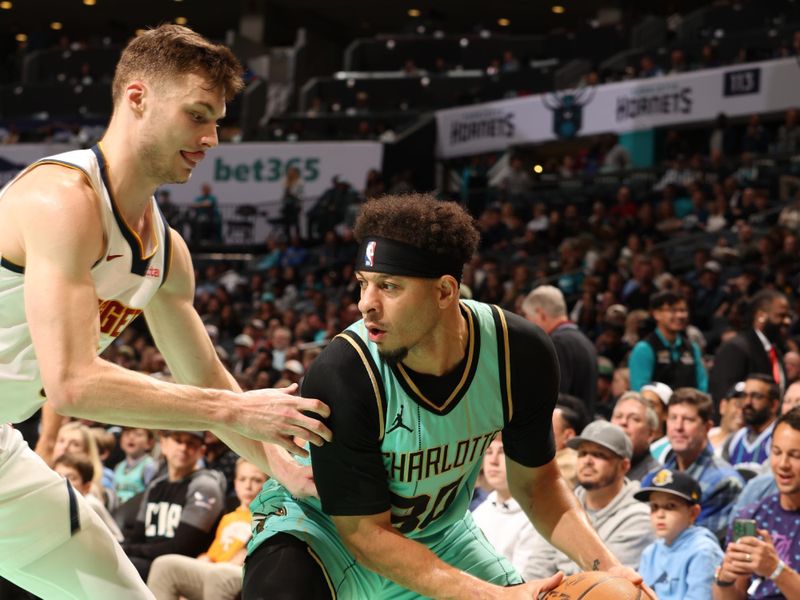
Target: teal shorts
<point x="463" y="546"/>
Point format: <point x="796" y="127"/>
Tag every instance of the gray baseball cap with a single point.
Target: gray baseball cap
<point x="607" y="435"/>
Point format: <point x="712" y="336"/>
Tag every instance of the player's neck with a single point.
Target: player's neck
<point x="130" y="187"/>
<point x="444" y="348"/>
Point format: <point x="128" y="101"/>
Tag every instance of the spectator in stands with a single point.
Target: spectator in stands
<point x="788" y="139"/>
<point x="569" y="419"/>
<point x="132" y="475"/>
<point x="657" y="395"/>
<point x="623" y="523"/>
<point x="292" y="202"/>
<point x="207" y="222"/>
<point x="617" y="158"/>
<point x="216" y="573"/>
<point x="757" y="349"/>
<point x="500" y="517"/>
<point x="708" y="58"/>
<point x="546" y="307"/>
<point x="79" y="470"/>
<point x="243" y="347"/>
<point x="763" y="485"/>
<point x="179" y="508"/>
<point x="667" y="354"/>
<point x="648" y="68"/>
<point x="332" y="206"/>
<point x="680" y="565"/>
<point x="722" y="140"/>
<point x="767" y="566"/>
<point x="677" y="62"/>
<point x="639" y="422"/>
<point x="219" y="457"/>
<point x="75" y="437"/>
<point x="791" y="366"/>
<point x="516" y="183"/>
<point x="604" y="403"/>
<point x="748" y="448"/>
<point x="510" y="63"/>
<point x="280" y="342"/>
<point x="730" y="418"/>
<point x="755" y="139"/>
<point x="688" y="423"/>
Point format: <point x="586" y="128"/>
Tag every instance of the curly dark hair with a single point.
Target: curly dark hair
<point x="420" y="220"/>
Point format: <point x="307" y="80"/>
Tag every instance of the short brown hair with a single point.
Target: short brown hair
<point x="694" y="397"/>
<point x="78" y="461"/>
<point x="172" y="51"/>
<point x="420" y="220"/>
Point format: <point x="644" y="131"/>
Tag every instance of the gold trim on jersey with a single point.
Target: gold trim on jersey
<point x="372" y="378"/>
<point x="507" y="352"/>
<point x="464" y="375"/>
<point x="116" y="209"/>
<point x="324" y="571"/>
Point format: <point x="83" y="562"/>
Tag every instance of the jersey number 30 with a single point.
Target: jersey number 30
<point x="417" y="512"/>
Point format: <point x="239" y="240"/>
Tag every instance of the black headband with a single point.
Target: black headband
<point x="382" y="255"/>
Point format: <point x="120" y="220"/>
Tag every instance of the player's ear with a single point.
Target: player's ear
<point x="135" y="95"/>
<point x="448" y="290"/>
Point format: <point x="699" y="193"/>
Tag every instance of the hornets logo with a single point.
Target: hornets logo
<point x="259" y="519"/>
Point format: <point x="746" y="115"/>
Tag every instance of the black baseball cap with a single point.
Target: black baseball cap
<point x="672" y="482"/>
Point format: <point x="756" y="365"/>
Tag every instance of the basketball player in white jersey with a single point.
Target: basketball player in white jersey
<point x="81" y="236"/>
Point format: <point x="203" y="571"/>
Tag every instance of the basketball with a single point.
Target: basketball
<point x="595" y="585"/>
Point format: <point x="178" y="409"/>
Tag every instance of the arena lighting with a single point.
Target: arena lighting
<point x="558" y="9"/>
<point x="181" y="20"/>
<point x="425" y="81"/>
<point x="21" y="37"/>
<point x="538" y="169"/>
<point x="414" y="12"/>
<point x="6" y="5"/>
<point x="390" y="44"/>
<point x="503" y="22"/>
<point x="90" y="2"/>
<point x="55" y="26"/>
<point x="463" y="42"/>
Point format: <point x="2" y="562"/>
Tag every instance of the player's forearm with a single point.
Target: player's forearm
<point x="108" y="393"/>
<point x="413" y="566"/>
<point x="558" y="516"/>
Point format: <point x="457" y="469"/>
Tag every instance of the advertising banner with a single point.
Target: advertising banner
<point x="670" y="100"/>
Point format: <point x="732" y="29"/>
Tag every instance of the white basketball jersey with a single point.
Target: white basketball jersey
<point x="125" y="280"/>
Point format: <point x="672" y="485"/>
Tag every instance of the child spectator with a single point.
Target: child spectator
<point x="216" y="573"/>
<point x="681" y="564"/>
<point x="132" y="475"/>
<point x="78" y="469"/>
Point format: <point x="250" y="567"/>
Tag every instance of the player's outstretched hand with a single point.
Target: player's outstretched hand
<point x="276" y="416"/>
<point x="634" y="577"/>
<point x="532" y="590"/>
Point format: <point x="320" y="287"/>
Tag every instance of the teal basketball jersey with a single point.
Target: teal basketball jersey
<point x="432" y="453"/>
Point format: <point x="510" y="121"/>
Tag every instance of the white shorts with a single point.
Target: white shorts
<point x="34" y="503"/>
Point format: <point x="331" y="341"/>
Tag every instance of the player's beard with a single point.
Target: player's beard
<point x="394" y="356"/>
<point x="159" y="164"/>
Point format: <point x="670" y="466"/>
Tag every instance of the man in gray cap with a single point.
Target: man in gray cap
<point x="623" y="523"/>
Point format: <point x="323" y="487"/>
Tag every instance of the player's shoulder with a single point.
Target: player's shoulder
<point x="54" y="194"/>
<point x="341" y="353"/>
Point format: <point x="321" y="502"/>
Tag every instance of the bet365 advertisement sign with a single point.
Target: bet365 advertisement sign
<point x="254" y="173"/>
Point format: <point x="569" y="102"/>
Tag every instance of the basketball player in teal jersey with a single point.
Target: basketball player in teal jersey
<point x="84" y="250"/>
<point x="417" y="390"/>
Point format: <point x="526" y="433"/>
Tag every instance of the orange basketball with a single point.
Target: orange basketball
<point x="595" y="585"/>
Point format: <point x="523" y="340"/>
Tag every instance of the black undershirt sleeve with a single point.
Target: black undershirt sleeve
<point x="348" y="471"/>
<point x="528" y="436"/>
